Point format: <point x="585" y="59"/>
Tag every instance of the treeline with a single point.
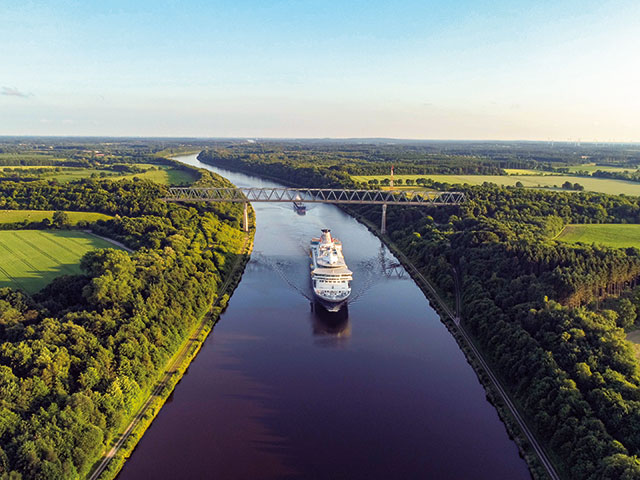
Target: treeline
<point x="632" y="176"/>
<point x="307" y="174"/>
<point x="97" y="153"/>
<point x="549" y="316"/>
<point x="77" y="359"/>
<point x="125" y="197"/>
<point x="344" y="162"/>
<point x="375" y="156"/>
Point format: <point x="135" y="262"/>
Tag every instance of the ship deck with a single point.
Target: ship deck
<point x="331" y="271"/>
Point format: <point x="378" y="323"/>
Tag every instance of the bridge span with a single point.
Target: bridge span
<point x="316" y="195"/>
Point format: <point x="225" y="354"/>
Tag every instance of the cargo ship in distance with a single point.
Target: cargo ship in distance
<point x="330" y="277"/>
<point x="298" y="206"/>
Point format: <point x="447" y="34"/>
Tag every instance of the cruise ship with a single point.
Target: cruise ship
<point x="330" y="276"/>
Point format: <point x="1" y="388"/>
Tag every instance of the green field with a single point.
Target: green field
<point x="526" y="171"/>
<point x="592" y="167"/>
<point x="162" y="174"/>
<point x="12" y="216"/>
<point x="26" y="157"/>
<point x="30" y="259"/>
<point x="602" y="185"/>
<point x="166" y="176"/>
<point x="587" y="167"/>
<point x="613" y="235"/>
<point x="30" y="167"/>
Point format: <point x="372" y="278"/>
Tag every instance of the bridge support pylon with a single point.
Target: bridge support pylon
<point x="383" y="224"/>
<point x="245" y="217"/>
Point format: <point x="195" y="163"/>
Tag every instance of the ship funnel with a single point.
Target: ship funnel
<point x="326" y="235"/>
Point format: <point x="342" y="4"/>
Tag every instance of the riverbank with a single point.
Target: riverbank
<point x="110" y="465"/>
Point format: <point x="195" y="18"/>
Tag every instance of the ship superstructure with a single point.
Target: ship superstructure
<point x="330" y="277"/>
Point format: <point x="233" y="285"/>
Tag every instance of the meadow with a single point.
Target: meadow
<point x="527" y="171"/>
<point x="585" y="167"/>
<point x="163" y="174"/>
<point x="601" y="185"/>
<point x="592" y="167"/>
<point x="31" y="259"/>
<point x="613" y="235"/>
<point x="17" y="158"/>
<point x="13" y="216"/>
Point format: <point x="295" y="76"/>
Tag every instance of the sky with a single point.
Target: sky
<point x="472" y="69"/>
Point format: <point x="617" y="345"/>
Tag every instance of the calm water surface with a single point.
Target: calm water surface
<point x="278" y="391"/>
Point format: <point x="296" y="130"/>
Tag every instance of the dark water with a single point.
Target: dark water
<point x="279" y="391"/>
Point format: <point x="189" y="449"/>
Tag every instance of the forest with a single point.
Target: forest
<point x="550" y="317"/>
<point x="78" y="358"/>
<point x="376" y="156"/>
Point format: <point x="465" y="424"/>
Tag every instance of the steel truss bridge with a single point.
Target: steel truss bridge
<point x="316" y="195"/>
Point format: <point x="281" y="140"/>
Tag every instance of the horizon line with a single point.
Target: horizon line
<point x="395" y="139"/>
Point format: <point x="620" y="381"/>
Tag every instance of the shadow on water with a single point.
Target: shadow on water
<point x="329" y="328"/>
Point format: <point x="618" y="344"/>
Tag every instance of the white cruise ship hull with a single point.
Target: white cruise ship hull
<point x="330" y="277"/>
<point x="330" y="304"/>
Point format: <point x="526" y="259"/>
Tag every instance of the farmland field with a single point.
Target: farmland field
<point x="602" y="185"/>
<point x="162" y="174"/>
<point x="12" y="216"/>
<point x="586" y="167"/>
<point x="166" y="176"/>
<point x="526" y="171"/>
<point x="592" y="167"/>
<point x="30" y="259"/>
<point x="613" y="235"/>
<point x="17" y="158"/>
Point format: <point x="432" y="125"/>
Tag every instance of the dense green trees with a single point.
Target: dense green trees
<point x="76" y="360"/>
<point x="375" y="157"/>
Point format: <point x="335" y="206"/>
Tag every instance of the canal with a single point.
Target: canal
<point x="280" y="391"/>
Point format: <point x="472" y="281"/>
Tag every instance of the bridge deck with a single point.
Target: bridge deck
<point x="315" y="195"/>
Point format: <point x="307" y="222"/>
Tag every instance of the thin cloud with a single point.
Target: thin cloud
<point x="14" y="92"/>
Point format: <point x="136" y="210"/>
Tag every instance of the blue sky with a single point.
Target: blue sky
<point x="407" y="69"/>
